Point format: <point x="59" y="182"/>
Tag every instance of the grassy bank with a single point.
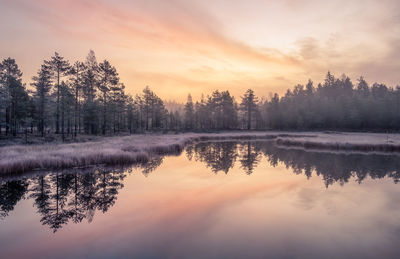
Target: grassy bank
<point x="141" y="148"/>
<point x="109" y="151"/>
<point x="363" y="142"/>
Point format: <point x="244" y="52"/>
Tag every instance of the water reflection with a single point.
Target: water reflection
<point x="219" y="156"/>
<point x="75" y="196"/>
<point x="10" y="193"/>
<point x="333" y="167"/>
<point x="63" y="197"/>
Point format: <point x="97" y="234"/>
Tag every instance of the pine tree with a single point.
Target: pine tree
<point x="90" y="84"/>
<point x="42" y="84"/>
<point x="77" y="71"/>
<point x="189" y="114"/>
<point x="60" y="68"/>
<point x="249" y="107"/>
<point x="66" y="102"/>
<point x="108" y="77"/>
<point x="12" y="88"/>
<point x="229" y="111"/>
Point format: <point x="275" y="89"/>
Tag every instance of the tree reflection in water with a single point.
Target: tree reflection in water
<point x="63" y="197"/>
<point x="333" y="167"/>
<point x="219" y="156"/>
<point x="250" y="155"/>
<point x="150" y="166"/>
<point x="10" y="193"/>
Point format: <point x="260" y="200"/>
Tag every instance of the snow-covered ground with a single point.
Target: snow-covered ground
<point x="140" y="148"/>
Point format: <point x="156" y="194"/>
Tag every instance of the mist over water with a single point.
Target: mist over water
<point x="216" y="199"/>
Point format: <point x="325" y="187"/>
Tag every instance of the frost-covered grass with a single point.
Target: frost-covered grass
<point x="141" y="148"/>
<point x="365" y="142"/>
<point x="108" y="151"/>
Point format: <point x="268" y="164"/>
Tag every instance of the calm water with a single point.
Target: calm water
<point x="227" y="199"/>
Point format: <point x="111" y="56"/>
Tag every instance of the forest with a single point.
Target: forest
<point x="67" y="99"/>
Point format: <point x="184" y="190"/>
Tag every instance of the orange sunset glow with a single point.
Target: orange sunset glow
<point x="180" y="47"/>
<point x="199" y="129"/>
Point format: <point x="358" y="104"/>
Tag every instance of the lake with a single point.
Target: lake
<point x="215" y="200"/>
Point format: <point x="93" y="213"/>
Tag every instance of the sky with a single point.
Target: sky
<point x="179" y="47"/>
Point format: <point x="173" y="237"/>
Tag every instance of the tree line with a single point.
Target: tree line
<point x="70" y="99"/>
<point x="88" y="97"/>
<point x="336" y="103"/>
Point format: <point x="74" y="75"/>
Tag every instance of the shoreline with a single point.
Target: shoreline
<point x="141" y="148"/>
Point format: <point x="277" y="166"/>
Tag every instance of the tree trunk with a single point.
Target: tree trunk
<point x="58" y="104"/>
<point x="13" y="119"/>
<point x="7" y="120"/>
<point x="41" y="115"/>
<point x="76" y="112"/>
<point x="249" y="118"/>
<point x="104" y="113"/>
<point x="62" y="121"/>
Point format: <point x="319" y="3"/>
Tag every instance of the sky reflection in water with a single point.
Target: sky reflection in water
<point x="224" y="199"/>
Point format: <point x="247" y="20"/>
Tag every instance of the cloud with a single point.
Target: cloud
<point x="172" y="25"/>
<point x="193" y="46"/>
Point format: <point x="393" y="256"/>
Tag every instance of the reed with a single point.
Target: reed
<point x="109" y="151"/>
<point x="142" y="148"/>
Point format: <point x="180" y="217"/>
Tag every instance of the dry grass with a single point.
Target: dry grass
<point x="364" y="142"/>
<point x="141" y="148"/>
<point x="109" y="151"/>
